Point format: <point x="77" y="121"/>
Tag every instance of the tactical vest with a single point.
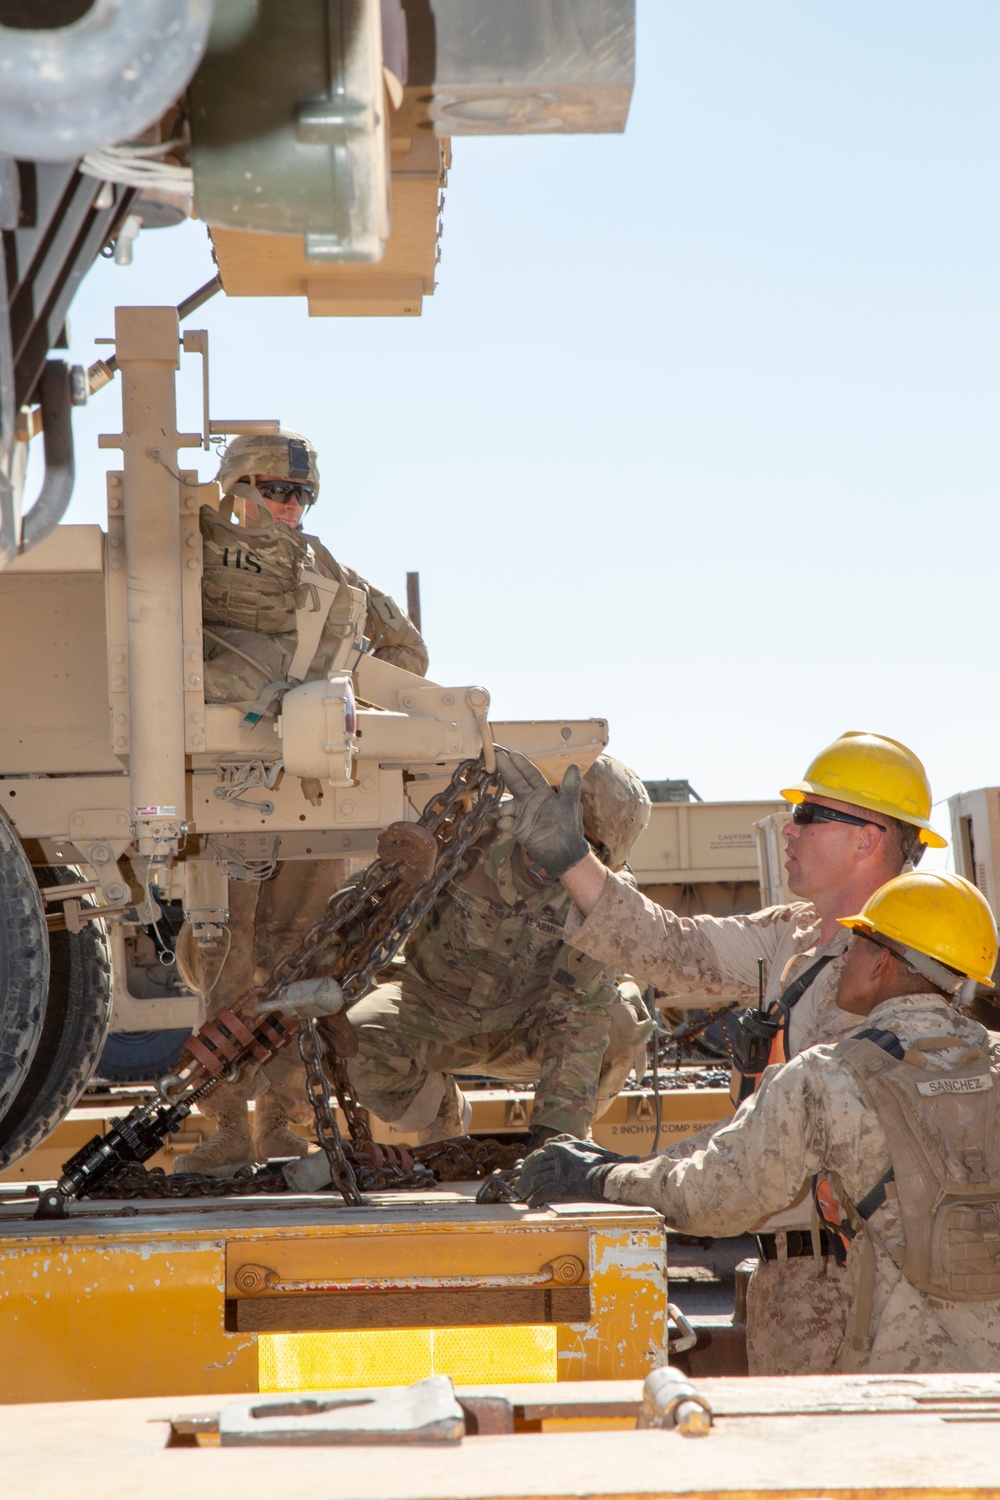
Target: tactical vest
<point x="251" y="574"/>
<point x="942" y="1130"/>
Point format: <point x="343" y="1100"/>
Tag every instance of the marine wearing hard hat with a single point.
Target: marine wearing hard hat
<point x="860" y="816"/>
<point x="898" y="1126"/>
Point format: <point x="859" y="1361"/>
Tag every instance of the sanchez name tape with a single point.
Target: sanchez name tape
<point x="957" y="1085"/>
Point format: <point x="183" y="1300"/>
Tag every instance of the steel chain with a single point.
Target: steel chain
<point x="347" y="923"/>
<point x="375" y="1168"/>
<point x="342" y="940"/>
<point x="327" y="1131"/>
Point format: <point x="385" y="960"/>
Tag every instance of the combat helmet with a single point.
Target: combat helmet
<point x="615" y="808"/>
<point x="284" y="453"/>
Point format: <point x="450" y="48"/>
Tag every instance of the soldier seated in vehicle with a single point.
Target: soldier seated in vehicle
<point x="254" y="569"/>
<point x="489" y="987"/>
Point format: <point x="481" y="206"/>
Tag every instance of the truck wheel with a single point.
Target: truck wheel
<point x="140" y="1056"/>
<point x="24" y="966"/>
<point x="72" y="1033"/>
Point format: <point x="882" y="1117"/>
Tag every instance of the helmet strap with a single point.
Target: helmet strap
<point x="949" y="981"/>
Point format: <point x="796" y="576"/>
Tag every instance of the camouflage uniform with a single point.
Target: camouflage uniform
<point x="807" y="1117"/>
<point x="267" y="919"/>
<point x="250" y="584"/>
<point x="251" y="577"/>
<point x="393" y="635"/>
<point x="489" y="987"/>
<point x="718" y="956"/>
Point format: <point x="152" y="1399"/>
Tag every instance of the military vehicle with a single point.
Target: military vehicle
<point x="314" y="141"/>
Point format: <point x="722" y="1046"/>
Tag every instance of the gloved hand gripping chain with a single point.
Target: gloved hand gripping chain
<point x="364" y="928"/>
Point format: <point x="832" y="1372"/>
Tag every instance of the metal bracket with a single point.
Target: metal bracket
<point x="640" y="1110"/>
<point x="516" y="1115"/>
<point x="86" y="830"/>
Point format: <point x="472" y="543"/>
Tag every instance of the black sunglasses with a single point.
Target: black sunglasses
<point x="804" y="813"/>
<point x="286" y="490"/>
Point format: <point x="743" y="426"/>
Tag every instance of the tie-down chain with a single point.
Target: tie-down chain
<point x="363" y="929"/>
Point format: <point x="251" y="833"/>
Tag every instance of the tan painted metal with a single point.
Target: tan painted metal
<point x="146" y="343"/>
<point x="975" y="838"/>
<point x="687" y="843"/>
<point x="269" y="265"/>
<point x="771" y="858"/>
<point x="112" y="757"/>
<point x="847" y="1438"/>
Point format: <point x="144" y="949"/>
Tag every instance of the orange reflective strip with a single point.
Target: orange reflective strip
<point x="828" y="1205"/>
<point x="778" y="1052"/>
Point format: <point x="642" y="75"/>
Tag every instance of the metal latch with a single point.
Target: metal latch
<point x="564" y="1270"/>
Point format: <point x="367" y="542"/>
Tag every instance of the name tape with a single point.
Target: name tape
<point x="957" y="1085"/>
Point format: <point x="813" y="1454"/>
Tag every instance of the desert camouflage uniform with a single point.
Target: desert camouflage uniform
<point x="810" y="1117"/>
<point x="489" y="987"/>
<point x="718" y="956"/>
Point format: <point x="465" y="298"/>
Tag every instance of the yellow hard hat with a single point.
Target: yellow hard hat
<point x="942" y="917"/>
<point x="873" y="772"/>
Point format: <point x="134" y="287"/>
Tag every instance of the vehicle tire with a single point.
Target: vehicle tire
<point x="140" y="1056"/>
<point x="24" y="966"/>
<point x="72" y="1034"/>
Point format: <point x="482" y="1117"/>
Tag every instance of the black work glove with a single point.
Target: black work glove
<point x="566" y="1171"/>
<point x="548" y="824"/>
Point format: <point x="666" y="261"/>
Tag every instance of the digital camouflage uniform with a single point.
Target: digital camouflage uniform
<point x="718" y="956"/>
<point x="489" y="987"/>
<point x="251" y="579"/>
<point x="811" y="1117"/>
<point x="250" y="587"/>
<point x="393" y="635"/>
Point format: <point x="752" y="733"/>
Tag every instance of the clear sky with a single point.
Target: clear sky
<point x="698" y="432"/>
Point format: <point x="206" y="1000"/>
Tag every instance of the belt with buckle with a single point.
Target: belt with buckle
<point x="799" y="1243"/>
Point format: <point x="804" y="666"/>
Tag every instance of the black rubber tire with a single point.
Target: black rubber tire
<point x="140" y="1056"/>
<point x="72" y="1035"/>
<point x="24" y="966"/>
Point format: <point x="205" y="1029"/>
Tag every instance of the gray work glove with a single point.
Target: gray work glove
<point x="306" y="998"/>
<point x="565" y="1170"/>
<point x="548" y="824"/>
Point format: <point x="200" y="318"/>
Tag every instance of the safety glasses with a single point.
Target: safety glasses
<point x="287" y="490"/>
<point x="804" y="813"/>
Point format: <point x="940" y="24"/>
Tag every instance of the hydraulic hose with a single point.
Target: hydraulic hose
<point x="55" y="395"/>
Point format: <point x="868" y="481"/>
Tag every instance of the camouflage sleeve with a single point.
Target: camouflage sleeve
<point x="701" y="955"/>
<point x="395" y="638"/>
<point x="577" y="1027"/>
<point x="751" y="1167"/>
<point x="393" y="634"/>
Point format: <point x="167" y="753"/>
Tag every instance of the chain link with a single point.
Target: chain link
<point x="327" y="1131"/>
<point x="376" y="1168"/>
<point x="363" y="929"/>
<point x="456" y="818"/>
